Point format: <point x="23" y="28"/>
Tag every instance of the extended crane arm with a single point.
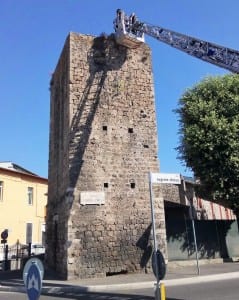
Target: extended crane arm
<point x="129" y="32"/>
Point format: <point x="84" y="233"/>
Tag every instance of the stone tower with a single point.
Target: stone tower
<point x="103" y="143"/>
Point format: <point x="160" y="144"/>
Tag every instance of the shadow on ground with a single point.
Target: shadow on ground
<point x="71" y="292"/>
<point x="102" y="296"/>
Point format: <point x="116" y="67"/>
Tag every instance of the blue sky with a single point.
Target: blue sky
<point x="32" y="34"/>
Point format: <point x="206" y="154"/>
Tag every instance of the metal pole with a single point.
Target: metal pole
<point x="195" y="239"/>
<point x="193" y="225"/>
<point x="157" y="293"/>
<point x="4" y="256"/>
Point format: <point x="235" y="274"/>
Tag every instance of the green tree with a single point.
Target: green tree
<point x="209" y="137"/>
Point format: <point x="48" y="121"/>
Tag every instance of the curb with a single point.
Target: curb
<point x="125" y="286"/>
<point x="201" y="279"/>
<point x="17" y="289"/>
<point x="167" y="282"/>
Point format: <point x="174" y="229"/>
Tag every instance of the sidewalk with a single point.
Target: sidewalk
<point x="175" y="275"/>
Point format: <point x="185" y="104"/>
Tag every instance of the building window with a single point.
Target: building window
<point x="28" y="233"/>
<point x="30" y="195"/>
<point x="130" y="130"/>
<point x="1" y="190"/>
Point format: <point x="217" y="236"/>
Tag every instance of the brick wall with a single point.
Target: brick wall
<point x="103" y="139"/>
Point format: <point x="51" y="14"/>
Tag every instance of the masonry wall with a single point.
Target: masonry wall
<point x="103" y="139"/>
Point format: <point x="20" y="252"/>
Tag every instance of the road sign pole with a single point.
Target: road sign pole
<point x="194" y="238"/>
<point x="157" y="293"/>
<point x="193" y="225"/>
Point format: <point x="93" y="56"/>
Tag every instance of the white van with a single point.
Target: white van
<point x="37" y="249"/>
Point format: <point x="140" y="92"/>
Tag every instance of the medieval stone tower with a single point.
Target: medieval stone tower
<point x="103" y="143"/>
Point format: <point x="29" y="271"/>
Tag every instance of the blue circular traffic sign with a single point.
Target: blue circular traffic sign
<point x="4" y="234"/>
<point x="33" y="283"/>
<point x="32" y="277"/>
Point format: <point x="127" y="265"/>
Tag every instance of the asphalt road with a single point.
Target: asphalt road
<point x="217" y="290"/>
<point x="82" y="296"/>
<point x="214" y="290"/>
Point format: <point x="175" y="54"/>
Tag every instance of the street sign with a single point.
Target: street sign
<point x="169" y="178"/>
<point x="159" y="260"/>
<point x="4" y="234"/>
<point x="33" y="273"/>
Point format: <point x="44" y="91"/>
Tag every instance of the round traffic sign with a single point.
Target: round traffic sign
<point x="33" y="282"/>
<point x="4" y="234"/>
<point x="33" y="273"/>
<point x="159" y="260"/>
<point x="28" y="264"/>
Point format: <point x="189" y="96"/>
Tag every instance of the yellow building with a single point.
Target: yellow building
<point x="23" y="198"/>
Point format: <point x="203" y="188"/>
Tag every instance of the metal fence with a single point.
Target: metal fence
<point x="14" y="256"/>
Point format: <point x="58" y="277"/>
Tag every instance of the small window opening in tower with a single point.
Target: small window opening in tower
<point x="104" y="128"/>
<point x="106" y="185"/>
<point x="130" y="130"/>
<point x="132" y="185"/>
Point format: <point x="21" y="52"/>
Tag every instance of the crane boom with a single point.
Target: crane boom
<point x="129" y="31"/>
